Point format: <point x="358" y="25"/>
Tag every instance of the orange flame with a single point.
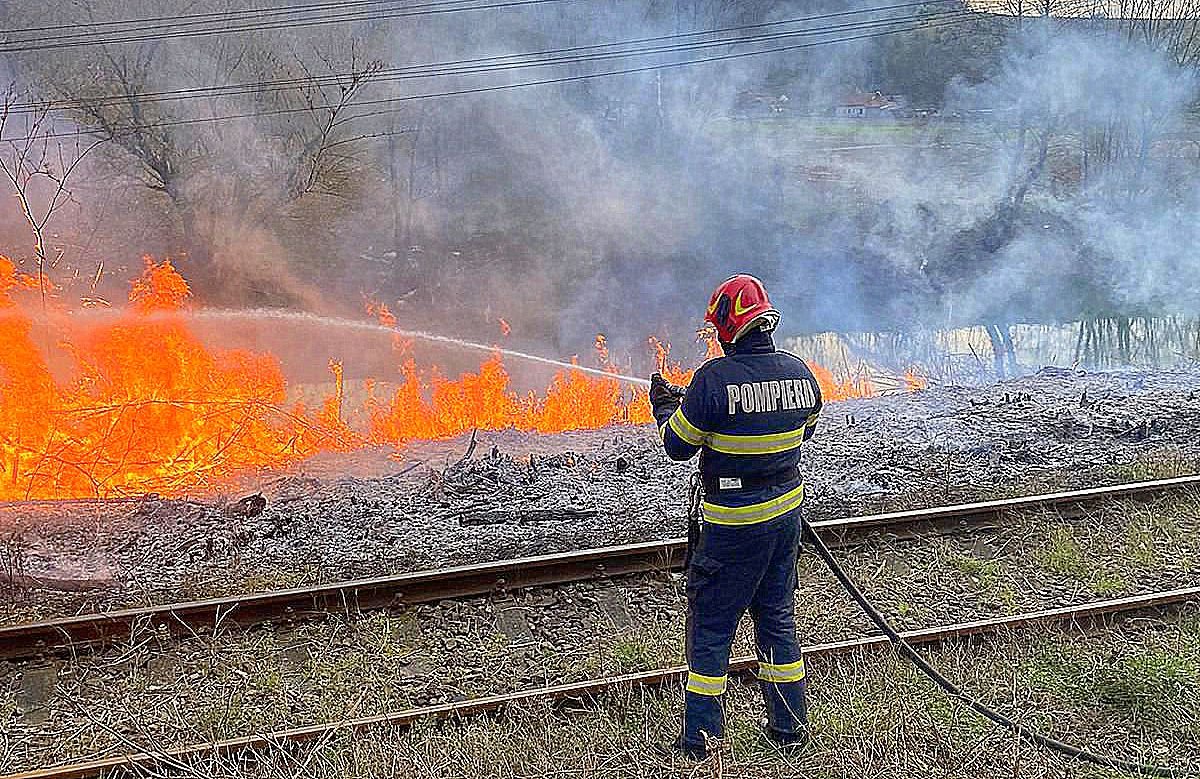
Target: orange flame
<point x="28" y="397"/>
<point x="835" y="389"/>
<point x="331" y="418"/>
<point x="913" y="381"/>
<point x="146" y="408"/>
<point x="160" y="288"/>
<point x="601" y="346"/>
<point x="673" y="372"/>
<point x="382" y="313"/>
<point x="139" y="404"/>
<point x="712" y="346"/>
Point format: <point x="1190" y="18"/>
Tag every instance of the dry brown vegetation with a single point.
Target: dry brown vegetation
<point x="1133" y="690"/>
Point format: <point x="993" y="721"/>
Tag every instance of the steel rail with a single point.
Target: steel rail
<point x="57" y="636"/>
<point x="1074" y="615"/>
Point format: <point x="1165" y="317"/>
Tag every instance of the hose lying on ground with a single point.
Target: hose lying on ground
<point x="1023" y="731"/>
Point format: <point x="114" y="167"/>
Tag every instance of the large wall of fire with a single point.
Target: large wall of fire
<point x="139" y="404"/>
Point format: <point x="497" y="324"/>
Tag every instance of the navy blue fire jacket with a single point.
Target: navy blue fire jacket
<point x="747" y="414"/>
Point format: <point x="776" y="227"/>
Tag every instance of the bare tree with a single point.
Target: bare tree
<point x="1170" y="26"/>
<point x="235" y="162"/>
<point x="37" y="160"/>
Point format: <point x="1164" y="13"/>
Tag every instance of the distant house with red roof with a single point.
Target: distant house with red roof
<point x="868" y="105"/>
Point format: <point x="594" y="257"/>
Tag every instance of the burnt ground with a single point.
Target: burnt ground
<point x="369" y="513"/>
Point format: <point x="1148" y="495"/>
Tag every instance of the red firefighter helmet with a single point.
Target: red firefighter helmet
<point x="738" y="305"/>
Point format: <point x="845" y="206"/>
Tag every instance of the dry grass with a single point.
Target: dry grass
<point x="1133" y="691"/>
<point x="1166" y="462"/>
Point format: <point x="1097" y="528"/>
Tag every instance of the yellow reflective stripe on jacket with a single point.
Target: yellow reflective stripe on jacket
<point x="686" y="430"/>
<point x="755" y="512"/>
<point x="781" y="673"/>
<point x="768" y="443"/>
<point x="727" y="443"/>
<point x="706" y="685"/>
<point x="771" y="443"/>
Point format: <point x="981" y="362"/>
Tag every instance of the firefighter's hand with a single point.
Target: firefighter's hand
<point x="664" y="396"/>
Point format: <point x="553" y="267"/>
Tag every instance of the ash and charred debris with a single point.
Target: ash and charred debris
<point x="521" y="494"/>
<point x="528" y="487"/>
<point x="246" y="508"/>
<point x="154" y="508"/>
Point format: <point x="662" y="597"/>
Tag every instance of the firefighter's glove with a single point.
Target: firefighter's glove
<point x="664" y="396"/>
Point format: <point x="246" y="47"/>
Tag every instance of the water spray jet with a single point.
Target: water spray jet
<point x="351" y="324"/>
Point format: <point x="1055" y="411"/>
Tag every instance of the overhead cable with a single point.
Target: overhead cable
<point x="502" y="61"/>
<point x="168" y="31"/>
<point x="395" y="102"/>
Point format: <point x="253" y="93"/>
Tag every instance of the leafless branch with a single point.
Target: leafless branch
<point x="315" y="161"/>
<point x="32" y="156"/>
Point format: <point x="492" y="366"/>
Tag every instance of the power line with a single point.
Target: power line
<point x="613" y="49"/>
<point x="663" y="66"/>
<point x="499" y="87"/>
<point x="166" y="31"/>
<point x="397" y="73"/>
<point x="489" y="68"/>
<point x="562" y="79"/>
<point x="558" y="80"/>
<point x="251" y="13"/>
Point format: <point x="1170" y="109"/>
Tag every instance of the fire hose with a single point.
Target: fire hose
<point x="911" y="654"/>
<point x="1023" y="731"/>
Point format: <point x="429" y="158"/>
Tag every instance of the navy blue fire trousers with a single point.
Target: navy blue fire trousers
<point x="735" y="569"/>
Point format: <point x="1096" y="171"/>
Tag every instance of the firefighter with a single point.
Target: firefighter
<point x="747" y="414"/>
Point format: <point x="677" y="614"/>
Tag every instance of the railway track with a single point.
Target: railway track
<point x="70" y="634"/>
<point x="585" y="690"/>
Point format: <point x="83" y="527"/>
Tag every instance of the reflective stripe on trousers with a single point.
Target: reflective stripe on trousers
<point x="706" y="685"/>
<point x="781" y="672"/>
